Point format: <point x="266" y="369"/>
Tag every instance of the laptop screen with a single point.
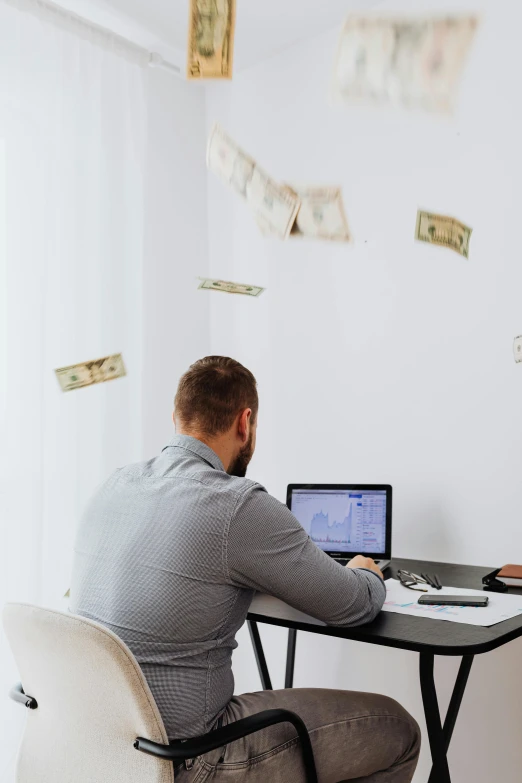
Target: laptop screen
<point x="343" y="520"/>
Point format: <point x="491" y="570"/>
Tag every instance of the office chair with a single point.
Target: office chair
<point x="90" y="708"/>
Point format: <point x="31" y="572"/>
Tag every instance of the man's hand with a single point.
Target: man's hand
<point x="360" y="561"/>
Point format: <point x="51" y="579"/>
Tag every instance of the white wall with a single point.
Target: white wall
<point x="389" y="360"/>
<point x="175" y="313"/>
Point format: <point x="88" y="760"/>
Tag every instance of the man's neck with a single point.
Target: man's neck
<point x="220" y="446"/>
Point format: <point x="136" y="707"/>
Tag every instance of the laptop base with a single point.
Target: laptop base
<point x="383" y="564"/>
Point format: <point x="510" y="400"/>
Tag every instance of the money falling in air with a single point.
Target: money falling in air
<point x="517" y="348"/>
<point x="68" y="593"/>
<point x="211" y="39"/>
<point x="321" y="214"/>
<point x="443" y="230"/>
<point x="88" y="373"/>
<point x="274" y="206"/>
<point x="230" y="288"/>
<point x="413" y="62"/>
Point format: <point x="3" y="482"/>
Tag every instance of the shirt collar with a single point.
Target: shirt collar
<point x="196" y="447"/>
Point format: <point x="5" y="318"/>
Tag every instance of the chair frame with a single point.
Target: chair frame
<point x="197" y="746"/>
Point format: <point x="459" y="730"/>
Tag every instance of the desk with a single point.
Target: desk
<point x="423" y="635"/>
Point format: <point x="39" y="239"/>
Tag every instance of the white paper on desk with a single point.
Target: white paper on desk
<point x="401" y="600"/>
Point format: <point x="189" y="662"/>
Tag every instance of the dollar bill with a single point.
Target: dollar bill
<point x="211" y="39"/>
<point x="517" y="348"/>
<point x="414" y="62"/>
<point x="230" y="288"/>
<point x="274" y="206"/>
<point x="87" y="373"/>
<point x="321" y="214"/>
<point x="443" y="230"/>
<point x="68" y="593"/>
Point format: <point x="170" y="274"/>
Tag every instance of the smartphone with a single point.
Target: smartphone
<point x="454" y="600"/>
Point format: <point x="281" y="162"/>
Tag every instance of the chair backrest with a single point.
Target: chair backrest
<point x="93" y="702"/>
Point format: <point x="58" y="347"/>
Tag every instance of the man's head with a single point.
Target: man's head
<point x="217" y="403"/>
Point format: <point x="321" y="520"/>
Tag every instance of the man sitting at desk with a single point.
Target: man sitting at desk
<point x="168" y="556"/>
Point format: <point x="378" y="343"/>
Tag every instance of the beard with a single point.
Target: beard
<point x="239" y="466"/>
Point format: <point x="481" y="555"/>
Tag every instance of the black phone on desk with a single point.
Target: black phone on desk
<point x="454" y="600"/>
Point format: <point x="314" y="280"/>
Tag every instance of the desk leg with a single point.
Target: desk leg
<point x="290" y="658"/>
<point x="438" y="747"/>
<point x="454" y="705"/>
<point x="260" y="656"/>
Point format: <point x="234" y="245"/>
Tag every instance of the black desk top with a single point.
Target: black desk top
<point x="420" y="634"/>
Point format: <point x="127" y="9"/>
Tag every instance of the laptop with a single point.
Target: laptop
<point x="345" y="520"/>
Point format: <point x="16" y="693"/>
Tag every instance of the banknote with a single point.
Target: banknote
<point x="443" y="230"/>
<point x="211" y="39"/>
<point x="68" y="593"/>
<point x="517" y="348"/>
<point x="412" y="61"/>
<point x="321" y="214"/>
<point x="230" y="288"/>
<point x="87" y="373"/>
<point x="273" y="205"/>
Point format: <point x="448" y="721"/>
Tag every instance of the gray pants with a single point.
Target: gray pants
<point x="355" y="736"/>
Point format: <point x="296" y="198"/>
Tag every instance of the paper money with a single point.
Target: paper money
<point x="517" y="348"/>
<point x="443" y="230"/>
<point x="68" y="593"/>
<point x="87" y="373"/>
<point x="321" y="214"/>
<point x="413" y="62"/>
<point x="211" y="39"/>
<point x="230" y="288"/>
<point x="274" y="206"/>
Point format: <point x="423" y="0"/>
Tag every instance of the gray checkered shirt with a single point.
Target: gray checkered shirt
<point x="168" y="556"/>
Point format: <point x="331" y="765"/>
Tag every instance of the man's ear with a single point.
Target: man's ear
<point x="244" y="424"/>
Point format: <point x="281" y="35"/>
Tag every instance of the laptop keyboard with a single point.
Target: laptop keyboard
<point x="344" y="562"/>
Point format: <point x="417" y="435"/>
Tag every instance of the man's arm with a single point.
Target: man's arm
<point x="269" y="551"/>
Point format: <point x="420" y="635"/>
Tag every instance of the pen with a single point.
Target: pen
<point x="428" y="580"/>
<point x="438" y="584"/>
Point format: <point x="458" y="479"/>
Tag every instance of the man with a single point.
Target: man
<point x="168" y="556"/>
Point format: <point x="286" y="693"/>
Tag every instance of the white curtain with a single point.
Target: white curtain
<point x="72" y="158"/>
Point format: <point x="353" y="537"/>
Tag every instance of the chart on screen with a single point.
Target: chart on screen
<point x="343" y="520"/>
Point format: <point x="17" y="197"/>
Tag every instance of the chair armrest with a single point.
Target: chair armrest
<point x="17" y="694"/>
<point x="180" y="751"/>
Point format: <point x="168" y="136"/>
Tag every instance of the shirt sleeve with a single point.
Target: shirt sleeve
<point x="269" y="551"/>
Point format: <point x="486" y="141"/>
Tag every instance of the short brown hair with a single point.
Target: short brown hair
<point x="211" y="394"/>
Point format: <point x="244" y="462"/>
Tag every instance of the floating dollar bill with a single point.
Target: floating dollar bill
<point x="274" y="206"/>
<point x="321" y="214"/>
<point x="87" y="373"/>
<point x="68" y="593"/>
<point x="517" y="348"/>
<point x="443" y="230"/>
<point x="211" y="39"/>
<point x="230" y="288"/>
<point x="413" y="62"/>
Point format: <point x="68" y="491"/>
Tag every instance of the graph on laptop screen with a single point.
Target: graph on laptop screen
<point x="343" y="520"/>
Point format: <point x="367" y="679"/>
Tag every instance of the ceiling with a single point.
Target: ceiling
<point x="263" y="28"/>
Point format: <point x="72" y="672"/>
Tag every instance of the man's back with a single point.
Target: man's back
<point x="168" y="555"/>
<point x="149" y="565"/>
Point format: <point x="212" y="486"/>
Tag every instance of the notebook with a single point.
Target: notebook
<point x="511" y="575"/>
